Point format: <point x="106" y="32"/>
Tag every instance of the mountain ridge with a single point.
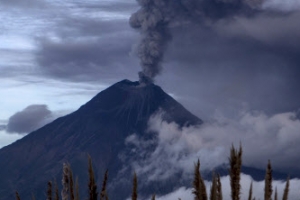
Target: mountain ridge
<point x="98" y="128"/>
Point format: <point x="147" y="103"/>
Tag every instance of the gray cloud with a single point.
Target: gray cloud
<point x="89" y="47"/>
<point x="154" y="18"/>
<point x="289" y="5"/>
<point x="235" y="62"/>
<point x="228" y="61"/>
<point x="2" y="127"/>
<point x="29" y="119"/>
<point x="25" y="4"/>
<point x="263" y="137"/>
<point x="258" y="189"/>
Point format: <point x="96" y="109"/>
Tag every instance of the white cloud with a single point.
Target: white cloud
<point x="262" y="137"/>
<point x="6" y="138"/>
<point x="287" y="5"/>
<point x="258" y="189"/>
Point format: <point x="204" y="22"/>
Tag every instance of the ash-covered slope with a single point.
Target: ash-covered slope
<point x="98" y="128"/>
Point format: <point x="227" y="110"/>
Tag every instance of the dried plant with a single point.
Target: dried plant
<point x="268" y="182"/>
<point x="153" y="197"/>
<point x="250" y="191"/>
<point x="56" y="196"/>
<point x="235" y="162"/>
<point x="71" y="185"/>
<point x="32" y="196"/>
<point x="17" y="196"/>
<point x="276" y="195"/>
<point x="286" y="189"/>
<point x="103" y="194"/>
<point x="219" y="188"/>
<point x="65" y="182"/>
<point x="198" y="183"/>
<point x="76" y="189"/>
<point x="134" y="188"/>
<point x="49" y="191"/>
<point x="213" y="189"/>
<point x="92" y="186"/>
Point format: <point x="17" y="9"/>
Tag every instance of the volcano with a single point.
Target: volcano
<point x="99" y="128"/>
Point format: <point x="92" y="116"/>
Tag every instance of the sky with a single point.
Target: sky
<point x="234" y="64"/>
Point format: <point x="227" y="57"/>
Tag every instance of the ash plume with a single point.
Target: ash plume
<point x="155" y="17"/>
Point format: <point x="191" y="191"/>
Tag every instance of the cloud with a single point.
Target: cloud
<point x="258" y="189"/>
<point x="25" y="4"/>
<point x="8" y="138"/>
<point x="29" y="119"/>
<point x="88" y="47"/>
<point x="2" y="127"/>
<point x="233" y="63"/>
<point x="288" y="5"/>
<point x="263" y="137"/>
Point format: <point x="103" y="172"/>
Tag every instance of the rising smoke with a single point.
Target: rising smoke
<point x="155" y="17"/>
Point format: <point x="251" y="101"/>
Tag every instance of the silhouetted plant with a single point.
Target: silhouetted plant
<point x="49" y="191"/>
<point x="199" y="188"/>
<point x="276" y="195"/>
<point x="92" y="186"/>
<point x="153" y="197"/>
<point x="235" y="162"/>
<point x="71" y="185"/>
<point x="17" y="196"/>
<point x="198" y="183"/>
<point x="219" y="188"/>
<point x="286" y="189"/>
<point x="56" y="196"/>
<point x="268" y="182"/>
<point x="213" y="189"/>
<point x="134" y="188"/>
<point x="65" y="182"/>
<point x="103" y="194"/>
<point x="32" y="196"/>
<point x="250" y="191"/>
<point x="76" y="189"/>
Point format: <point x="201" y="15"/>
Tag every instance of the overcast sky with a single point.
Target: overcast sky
<point x="230" y="63"/>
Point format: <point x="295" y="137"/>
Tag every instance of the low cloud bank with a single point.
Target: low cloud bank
<point x="258" y="189"/>
<point x="263" y="137"/>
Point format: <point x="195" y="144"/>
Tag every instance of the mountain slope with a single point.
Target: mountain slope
<point x="99" y="128"/>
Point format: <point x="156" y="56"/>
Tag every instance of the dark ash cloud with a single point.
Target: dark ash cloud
<point x="236" y="62"/>
<point x="154" y="19"/>
<point x="86" y="47"/>
<point x="29" y="119"/>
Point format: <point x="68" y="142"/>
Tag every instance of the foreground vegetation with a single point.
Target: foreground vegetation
<point x="70" y="191"/>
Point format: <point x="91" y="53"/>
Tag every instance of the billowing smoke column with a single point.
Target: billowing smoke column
<point x="154" y="17"/>
<point x="153" y="22"/>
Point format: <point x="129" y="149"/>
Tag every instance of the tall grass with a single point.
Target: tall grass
<point x="199" y="188"/>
